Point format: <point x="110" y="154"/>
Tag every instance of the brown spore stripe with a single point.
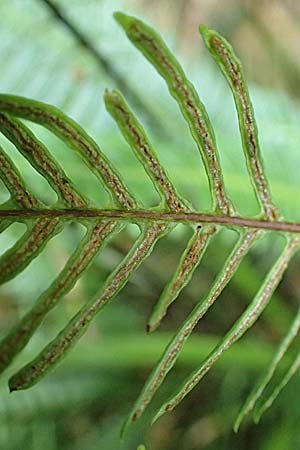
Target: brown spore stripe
<point x="14" y="184"/>
<point x="157" y="170"/>
<point x="192" y="257"/>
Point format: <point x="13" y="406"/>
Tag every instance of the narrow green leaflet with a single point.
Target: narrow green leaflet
<point x="76" y="138"/>
<point x="232" y="69"/>
<point x="136" y="137"/>
<point x="59" y="347"/>
<point x="246" y="320"/>
<point x="15" y="185"/>
<point x="37" y="154"/>
<point x="155" y="50"/>
<point x="38" y="233"/>
<point x="259" y="388"/>
<point x="172" y="351"/>
<point x="41" y="231"/>
<point x="96" y="237"/>
<point x="31" y="243"/>
<point x="188" y="263"/>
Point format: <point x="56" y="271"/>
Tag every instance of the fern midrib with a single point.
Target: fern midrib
<point x="154" y="216"/>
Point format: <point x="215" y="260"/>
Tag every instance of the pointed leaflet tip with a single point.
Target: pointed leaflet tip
<point x="123" y="19"/>
<point x="159" y="413"/>
<point x="237" y="424"/>
<point x="128" y="421"/>
<point x="245" y="410"/>
<point x="206" y="34"/>
<point x="151" y="326"/>
<point x="110" y="96"/>
<point x="204" y="31"/>
<point x="188" y="263"/>
<point x="124" y="429"/>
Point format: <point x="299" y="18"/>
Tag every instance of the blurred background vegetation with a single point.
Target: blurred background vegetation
<point x="81" y="405"/>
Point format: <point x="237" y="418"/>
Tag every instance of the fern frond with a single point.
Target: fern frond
<point x="43" y="221"/>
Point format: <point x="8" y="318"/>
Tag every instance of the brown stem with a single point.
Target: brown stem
<point x="155" y="216"/>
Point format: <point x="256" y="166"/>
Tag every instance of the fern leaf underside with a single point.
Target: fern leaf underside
<point x="44" y="222"/>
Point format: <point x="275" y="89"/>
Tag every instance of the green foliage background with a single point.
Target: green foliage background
<point x="82" y="405"/>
